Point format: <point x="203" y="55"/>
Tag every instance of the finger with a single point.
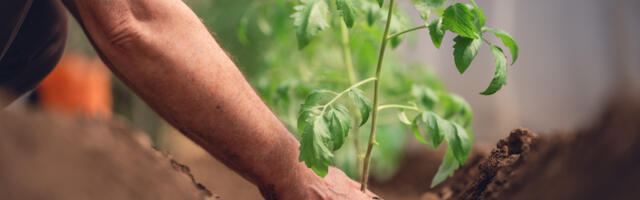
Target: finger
<point x="372" y="195"/>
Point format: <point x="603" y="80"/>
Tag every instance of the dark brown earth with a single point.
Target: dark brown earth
<point x="52" y="157"/>
<point x="599" y="162"/>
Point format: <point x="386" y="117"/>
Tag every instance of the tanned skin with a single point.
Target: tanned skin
<point x="162" y="51"/>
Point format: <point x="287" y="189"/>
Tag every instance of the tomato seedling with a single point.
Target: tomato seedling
<point x="324" y="122"/>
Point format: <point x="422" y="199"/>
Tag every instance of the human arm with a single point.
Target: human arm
<point x="162" y="51"/>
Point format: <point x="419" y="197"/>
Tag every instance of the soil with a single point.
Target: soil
<point x="53" y="157"/>
<point x="599" y="162"/>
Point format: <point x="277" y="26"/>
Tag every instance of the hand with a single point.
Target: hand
<point x="335" y="186"/>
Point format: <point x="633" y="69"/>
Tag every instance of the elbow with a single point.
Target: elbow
<point x="111" y="24"/>
<point x="124" y="35"/>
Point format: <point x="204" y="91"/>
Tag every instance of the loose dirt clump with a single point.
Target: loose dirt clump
<point x="490" y="173"/>
<point x="52" y="157"/>
<point x="600" y="162"/>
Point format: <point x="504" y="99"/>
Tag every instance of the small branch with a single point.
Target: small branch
<point x="344" y="92"/>
<point x="487" y="41"/>
<point x="332" y="92"/>
<point x="406" y="31"/>
<point x="382" y="107"/>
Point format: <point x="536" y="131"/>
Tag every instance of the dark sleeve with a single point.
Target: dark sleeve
<point x="32" y="39"/>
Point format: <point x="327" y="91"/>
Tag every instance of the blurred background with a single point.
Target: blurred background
<point x="574" y="54"/>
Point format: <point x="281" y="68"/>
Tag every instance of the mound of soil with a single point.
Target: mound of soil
<point x="52" y="157"/>
<point x="600" y="162"/>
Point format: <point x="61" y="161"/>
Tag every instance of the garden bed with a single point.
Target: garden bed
<point x="60" y="158"/>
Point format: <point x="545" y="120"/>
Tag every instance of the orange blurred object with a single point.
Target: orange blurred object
<point x="78" y="85"/>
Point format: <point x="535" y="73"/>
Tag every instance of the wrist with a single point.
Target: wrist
<point x="291" y="181"/>
<point x="291" y="178"/>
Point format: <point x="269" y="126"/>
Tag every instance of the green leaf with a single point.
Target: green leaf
<point x="322" y="132"/>
<point x="415" y="127"/>
<point x="381" y="2"/>
<point x="339" y="122"/>
<point x="500" y="76"/>
<point x="347" y="10"/>
<point x="425" y="7"/>
<point x="362" y="102"/>
<point x="507" y="40"/>
<point x="456" y="109"/>
<point x="303" y="118"/>
<point x="402" y="116"/>
<point x="314" y="97"/>
<point x="451" y="106"/>
<point x="457" y="140"/>
<point x="424" y="96"/>
<point x="283" y="92"/>
<point x="464" y="51"/>
<point x="436" y="32"/>
<point x="309" y="106"/>
<point x="398" y="24"/>
<point x="434" y="128"/>
<point x="314" y="146"/>
<point x="447" y="167"/>
<point x="309" y="19"/>
<point x="480" y="19"/>
<point x="461" y="153"/>
<point x="372" y="11"/>
<point x="459" y="19"/>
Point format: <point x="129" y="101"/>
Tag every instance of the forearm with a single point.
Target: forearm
<point x="164" y="53"/>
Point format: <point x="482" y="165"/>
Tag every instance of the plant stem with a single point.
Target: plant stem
<point x="487" y="41"/>
<point x="406" y="31"/>
<point x="346" y="52"/>
<point x="348" y="63"/>
<point x="376" y="94"/>
<point x="332" y="92"/>
<point x="382" y="107"/>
